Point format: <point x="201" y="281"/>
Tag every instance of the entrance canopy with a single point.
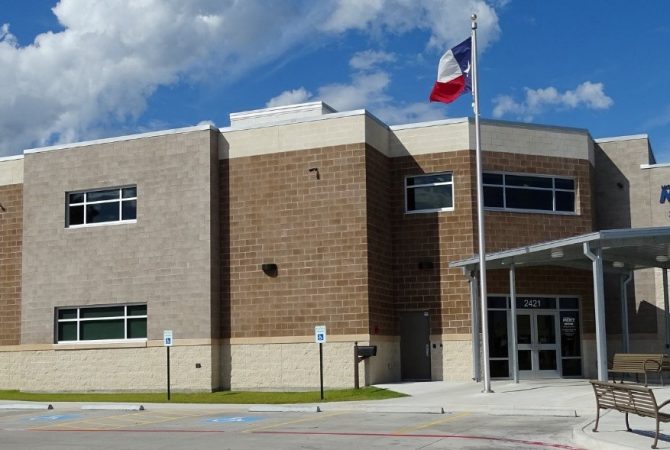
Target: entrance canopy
<point x="618" y="251"/>
<point x="623" y="250"/>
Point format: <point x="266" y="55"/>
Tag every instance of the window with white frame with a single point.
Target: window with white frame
<point x="429" y="193"/>
<point x="101" y="206"/>
<point x="101" y="323"/>
<point x="523" y="192"/>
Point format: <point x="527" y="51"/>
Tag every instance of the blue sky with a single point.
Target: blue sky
<point x="82" y="69"/>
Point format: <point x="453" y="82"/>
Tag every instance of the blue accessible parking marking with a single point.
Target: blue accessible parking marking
<point x="237" y="419"/>
<point x="53" y="417"/>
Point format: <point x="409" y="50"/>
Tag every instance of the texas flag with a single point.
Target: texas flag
<point x="453" y="74"/>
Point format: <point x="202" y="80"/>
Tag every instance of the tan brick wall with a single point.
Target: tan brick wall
<point x="437" y="237"/>
<point x="313" y="229"/>
<point x="380" y="243"/>
<point x="11" y="247"/>
<point x="532" y="228"/>
<point x="450" y="236"/>
<point x="165" y="259"/>
<point x="109" y="369"/>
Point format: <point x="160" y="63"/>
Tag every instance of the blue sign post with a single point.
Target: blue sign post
<point x="167" y="342"/>
<point x="320" y="338"/>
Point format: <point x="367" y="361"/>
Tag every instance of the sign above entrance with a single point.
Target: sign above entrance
<point x="535" y="303"/>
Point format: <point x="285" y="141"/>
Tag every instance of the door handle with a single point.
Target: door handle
<point x="427" y="350"/>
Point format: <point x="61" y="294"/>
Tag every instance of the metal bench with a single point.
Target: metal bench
<point x="629" y="399"/>
<point x="637" y="363"/>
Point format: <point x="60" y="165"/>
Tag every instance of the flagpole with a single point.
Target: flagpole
<point x="480" y="214"/>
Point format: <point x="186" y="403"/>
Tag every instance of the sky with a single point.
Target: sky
<point x="78" y="69"/>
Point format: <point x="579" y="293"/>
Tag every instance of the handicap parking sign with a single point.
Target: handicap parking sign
<point x="52" y="417"/>
<point x="237" y="419"/>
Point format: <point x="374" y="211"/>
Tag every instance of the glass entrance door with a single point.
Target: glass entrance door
<point x="537" y="343"/>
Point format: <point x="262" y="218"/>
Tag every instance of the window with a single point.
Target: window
<point x="101" y="206"/>
<point x="429" y="193"/>
<point x="101" y="323"/>
<point x="523" y="192"/>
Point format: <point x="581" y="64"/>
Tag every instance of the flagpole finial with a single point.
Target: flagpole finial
<point x="473" y="17"/>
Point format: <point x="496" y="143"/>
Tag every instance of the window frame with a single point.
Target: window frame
<point x="553" y="189"/>
<point x="78" y="320"/>
<point x="443" y="183"/>
<point x="120" y="200"/>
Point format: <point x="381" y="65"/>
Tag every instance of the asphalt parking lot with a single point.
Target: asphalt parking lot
<point x="240" y="429"/>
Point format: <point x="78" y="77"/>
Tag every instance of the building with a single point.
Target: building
<point x="242" y="239"/>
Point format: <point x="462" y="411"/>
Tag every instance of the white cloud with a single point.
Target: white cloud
<point x="589" y="95"/>
<point x="291" y="97"/>
<point x="369" y="59"/>
<point x="99" y="71"/>
<point x="447" y="20"/>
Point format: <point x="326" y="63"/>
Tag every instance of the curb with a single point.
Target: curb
<point x="386" y="409"/>
<point x="115" y="407"/>
<point x="584" y="437"/>
<point x="280" y="408"/>
<point x="25" y="406"/>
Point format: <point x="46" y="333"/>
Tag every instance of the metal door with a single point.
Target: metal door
<point x="537" y="344"/>
<point x="415" y="345"/>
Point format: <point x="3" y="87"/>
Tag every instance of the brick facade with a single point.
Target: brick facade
<point x="324" y="200"/>
<point x="379" y="191"/>
<point x="313" y="226"/>
<point x="11" y="237"/>
<point x="532" y="228"/>
<point x="438" y="238"/>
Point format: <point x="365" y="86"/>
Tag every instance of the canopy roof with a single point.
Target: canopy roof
<point x="622" y="250"/>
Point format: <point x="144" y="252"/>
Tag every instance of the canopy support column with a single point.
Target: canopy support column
<point x="666" y="310"/>
<point x="512" y="297"/>
<point x="625" y="337"/>
<point x="599" y="303"/>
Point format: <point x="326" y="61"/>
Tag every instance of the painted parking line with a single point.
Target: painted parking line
<point x="449" y="418"/>
<point x="118" y="421"/>
<point x="427" y="436"/>
<point x="91" y="421"/>
<point x="311" y="418"/>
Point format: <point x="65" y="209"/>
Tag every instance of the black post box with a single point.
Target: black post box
<point x="365" y="351"/>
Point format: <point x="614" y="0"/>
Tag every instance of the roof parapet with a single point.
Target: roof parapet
<point x="279" y="114"/>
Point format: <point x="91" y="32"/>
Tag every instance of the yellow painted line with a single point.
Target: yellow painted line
<point x="318" y="416"/>
<point x="449" y="418"/>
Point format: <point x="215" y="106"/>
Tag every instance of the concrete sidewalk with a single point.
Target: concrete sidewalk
<point x="556" y="397"/>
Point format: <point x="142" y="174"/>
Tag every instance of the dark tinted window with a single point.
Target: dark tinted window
<point x="432" y="192"/>
<point x="128" y="210"/>
<point x="429" y="179"/>
<point x="102" y="212"/>
<point x="76" y="215"/>
<point x="493" y="197"/>
<point x="565" y="201"/>
<point x="564" y="183"/>
<point x="528" y="181"/>
<point x="529" y="199"/>
<point x="97" y="196"/>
